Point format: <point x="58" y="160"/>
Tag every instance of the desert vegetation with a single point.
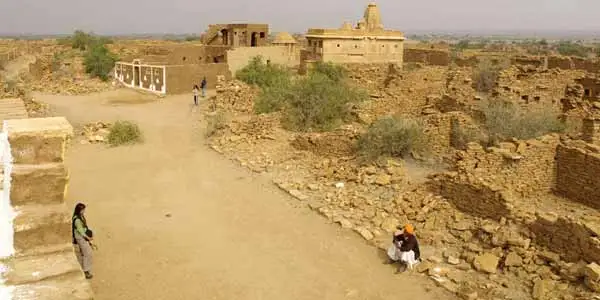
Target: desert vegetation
<point x="124" y="133"/>
<point x="316" y="102"/>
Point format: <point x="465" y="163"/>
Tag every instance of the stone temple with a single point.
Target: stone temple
<point x="367" y="42"/>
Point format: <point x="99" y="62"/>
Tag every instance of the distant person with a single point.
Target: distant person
<point x="404" y="249"/>
<point x="195" y="90"/>
<point x="203" y="87"/>
<point x="82" y="239"/>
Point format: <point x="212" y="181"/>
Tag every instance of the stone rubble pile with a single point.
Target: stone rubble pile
<point x="95" y="132"/>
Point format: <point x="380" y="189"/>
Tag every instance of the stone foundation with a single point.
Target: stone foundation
<point x="42" y="264"/>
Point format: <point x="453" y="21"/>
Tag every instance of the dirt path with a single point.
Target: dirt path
<point x="230" y="234"/>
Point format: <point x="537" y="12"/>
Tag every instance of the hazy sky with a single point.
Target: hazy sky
<point x="193" y="16"/>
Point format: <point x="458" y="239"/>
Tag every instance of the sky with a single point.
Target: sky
<point x="193" y="16"/>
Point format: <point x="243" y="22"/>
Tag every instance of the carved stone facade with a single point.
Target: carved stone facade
<point x="367" y="42"/>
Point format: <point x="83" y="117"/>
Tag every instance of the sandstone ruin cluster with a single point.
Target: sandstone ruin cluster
<point x="507" y="221"/>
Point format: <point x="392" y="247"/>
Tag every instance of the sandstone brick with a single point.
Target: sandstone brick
<point x="41" y="225"/>
<point x="36" y="141"/>
<point x="38" y="184"/>
<point x="576" y="177"/>
<point x="26" y="270"/>
<point x="55" y="289"/>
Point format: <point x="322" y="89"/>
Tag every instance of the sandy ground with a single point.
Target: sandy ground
<point x="175" y="220"/>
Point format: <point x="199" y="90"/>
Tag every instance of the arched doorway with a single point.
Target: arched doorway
<point x="224" y="37"/>
<point x="253" y="39"/>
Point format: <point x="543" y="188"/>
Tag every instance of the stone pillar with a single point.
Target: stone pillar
<point x="43" y="265"/>
<point x="591" y="130"/>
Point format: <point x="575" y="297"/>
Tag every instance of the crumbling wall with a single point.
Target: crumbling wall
<point x="427" y="56"/>
<point x="574" y="239"/>
<point x="577" y="173"/>
<point x="472" y="195"/>
<point x="559" y="62"/>
<point x="591" y="130"/>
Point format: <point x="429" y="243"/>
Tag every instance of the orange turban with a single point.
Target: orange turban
<point x="409" y="229"/>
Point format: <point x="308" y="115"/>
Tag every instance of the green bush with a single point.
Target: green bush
<point x="124" y="133"/>
<point x="504" y="120"/>
<point x="99" y="62"/>
<point x="317" y="103"/>
<point x="80" y="40"/>
<point x="264" y="75"/>
<point x="569" y="48"/>
<point x="392" y="137"/>
<point x="334" y="72"/>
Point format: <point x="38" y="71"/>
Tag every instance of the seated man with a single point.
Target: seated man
<point x="405" y="248"/>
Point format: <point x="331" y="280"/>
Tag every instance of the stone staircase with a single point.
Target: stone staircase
<point x="43" y="265"/>
<point x="12" y="108"/>
<point x="211" y="33"/>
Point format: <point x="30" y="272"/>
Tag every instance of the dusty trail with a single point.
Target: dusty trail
<point x="230" y="234"/>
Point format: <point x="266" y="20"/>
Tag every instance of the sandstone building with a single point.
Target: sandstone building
<point x="367" y="42"/>
<point x="236" y="35"/>
<point x="226" y="48"/>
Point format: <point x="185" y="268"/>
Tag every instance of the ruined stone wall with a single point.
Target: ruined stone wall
<point x="43" y="265"/>
<point x="472" y="195"/>
<point x="427" y="56"/>
<point x="181" y="79"/>
<point x="591" y="130"/>
<point x="524" y="167"/>
<point x="577" y="173"/>
<point x="574" y="239"/>
<point x="239" y="57"/>
<point x="559" y="62"/>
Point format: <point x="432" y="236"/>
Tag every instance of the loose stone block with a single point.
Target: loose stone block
<point x="37" y="141"/>
<point x="38" y="184"/>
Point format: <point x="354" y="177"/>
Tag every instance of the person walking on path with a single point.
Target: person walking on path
<point x="203" y="87"/>
<point x="196" y="94"/>
<point x="82" y="239"/>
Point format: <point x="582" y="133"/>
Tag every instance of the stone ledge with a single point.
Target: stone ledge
<point x="41" y="225"/>
<point x="38" y="184"/>
<point x="28" y="270"/>
<point x="54" y="289"/>
<point x="41" y="140"/>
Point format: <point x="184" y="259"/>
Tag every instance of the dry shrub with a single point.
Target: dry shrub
<point x="485" y="76"/>
<point x="504" y="120"/>
<point x="460" y="136"/>
<point x="392" y="137"/>
<point x="124" y="133"/>
<point x="216" y="123"/>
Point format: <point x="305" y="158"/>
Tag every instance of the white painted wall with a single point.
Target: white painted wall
<point x="7" y="215"/>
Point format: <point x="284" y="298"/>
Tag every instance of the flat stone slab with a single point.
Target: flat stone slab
<point x="41" y="225"/>
<point x="54" y="125"/>
<point x="31" y="269"/>
<point x="54" y="289"/>
<point x="38" y="184"/>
